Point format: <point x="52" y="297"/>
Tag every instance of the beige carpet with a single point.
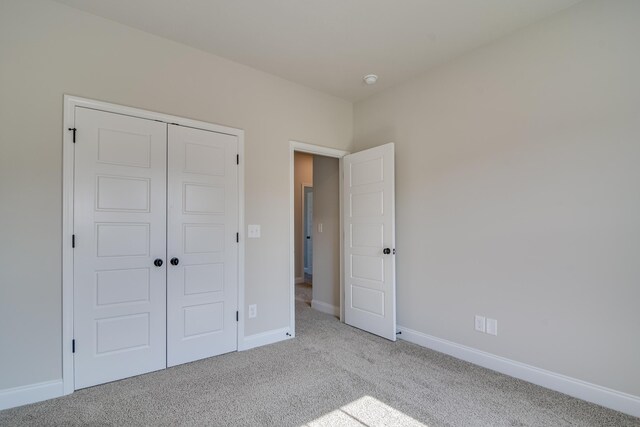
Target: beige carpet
<point x="304" y="293"/>
<point x="329" y="375"/>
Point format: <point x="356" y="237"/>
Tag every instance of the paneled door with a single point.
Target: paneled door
<point x="369" y="244"/>
<point x="120" y="247"/>
<point x="202" y="247"/>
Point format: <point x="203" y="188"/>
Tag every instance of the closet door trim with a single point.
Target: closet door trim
<point x="68" y="140"/>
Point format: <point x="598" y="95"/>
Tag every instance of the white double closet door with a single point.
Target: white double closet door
<point x="156" y="253"/>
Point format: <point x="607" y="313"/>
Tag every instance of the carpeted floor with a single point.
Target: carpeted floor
<point x="329" y="375"/>
<point x="304" y="293"/>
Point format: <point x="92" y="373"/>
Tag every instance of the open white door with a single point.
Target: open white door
<point x="369" y="244"/>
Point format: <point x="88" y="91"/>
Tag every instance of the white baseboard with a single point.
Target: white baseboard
<point x="619" y="401"/>
<point x="325" y="308"/>
<point x="23" y="395"/>
<point x="264" y="338"/>
<point x="299" y="280"/>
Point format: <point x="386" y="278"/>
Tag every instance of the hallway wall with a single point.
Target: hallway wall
<point x="326" y="245"/>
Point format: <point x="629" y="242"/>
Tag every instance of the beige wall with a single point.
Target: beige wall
<point x="517" y="194"/>
<point x="302" y="175"/>
<point x="47" y="50"/>
<point x="326" y="245"/>
<point x="517" y="175"/>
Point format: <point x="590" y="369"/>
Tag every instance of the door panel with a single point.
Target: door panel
<point x="120" y="220"/>
<point x="369" y="221"/>
<point x="202" y="223"/>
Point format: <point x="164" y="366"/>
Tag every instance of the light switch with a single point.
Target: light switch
<point x="254" y="231"/>
<point x="320" y="228"/>
<point x="480" y="323"/>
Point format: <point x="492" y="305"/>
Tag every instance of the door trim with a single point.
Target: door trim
<point x="303" y="207"/>
<point x="303" y="147"/>
<point x="70" y="103"/>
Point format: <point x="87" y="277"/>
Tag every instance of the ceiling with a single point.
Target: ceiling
<point x="330" y="44"/>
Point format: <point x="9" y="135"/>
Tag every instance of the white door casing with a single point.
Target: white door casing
<point x="120" y="219"/>
<point x="369" y="225"/>
<point x="307" y="229"/>
<point x="73" y="226"/>
<point x="131" y="207"/>
<point x="202" y="289"/>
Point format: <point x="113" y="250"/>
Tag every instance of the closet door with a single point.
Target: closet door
<point x="202" y="275"/>
<point x="120" y="247"/>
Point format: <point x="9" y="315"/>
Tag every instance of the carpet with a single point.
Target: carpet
<point x="329" y="375"/>
<point x="304" y="293"/>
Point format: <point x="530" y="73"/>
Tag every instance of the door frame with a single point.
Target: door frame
<point x="303" y="213"/>
<point x="303" y="147"/>
<point x="70" y="103"/>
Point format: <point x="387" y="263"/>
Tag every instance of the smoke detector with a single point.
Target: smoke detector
<point x="370" y="79"/>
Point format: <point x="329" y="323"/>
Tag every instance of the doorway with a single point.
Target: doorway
<point x="316" y="233"/>
<point x="366" y="235"/>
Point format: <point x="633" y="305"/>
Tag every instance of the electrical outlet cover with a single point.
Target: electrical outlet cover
<point x="480" y="323"/>
<point x="492" y="326"/>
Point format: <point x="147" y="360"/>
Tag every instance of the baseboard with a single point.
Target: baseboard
<point x="299" y="280"/>
<point x="264" y="338"/>
<point x="325" y="308"/>
<point x="619" y="401"/>
<point x="23" y="395"/>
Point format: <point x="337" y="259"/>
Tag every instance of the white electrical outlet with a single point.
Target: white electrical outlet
<point x="480" y="323"/>
<point x="492" y="326"/>
<point x="253" y="311"/>
<point x="320" y="228"/>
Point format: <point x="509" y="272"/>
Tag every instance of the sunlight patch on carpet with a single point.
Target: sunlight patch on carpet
<point x="366" y="411"/>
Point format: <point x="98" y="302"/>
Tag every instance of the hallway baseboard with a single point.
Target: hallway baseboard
<point x="325" y="308"/>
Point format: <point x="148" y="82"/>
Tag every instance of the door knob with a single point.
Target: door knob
<point x="386" y="251"/>
<point x="174" y="261"/>
<point x="157" y="262"/>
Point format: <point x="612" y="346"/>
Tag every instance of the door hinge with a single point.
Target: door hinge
<point x="237" y="237"/>
<point x="73" y="346"/>
<point x="237" y="316"/>
<point x="237" y="159"/>
<point x="73" y="240"/>
<point x="74" y="134"/>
